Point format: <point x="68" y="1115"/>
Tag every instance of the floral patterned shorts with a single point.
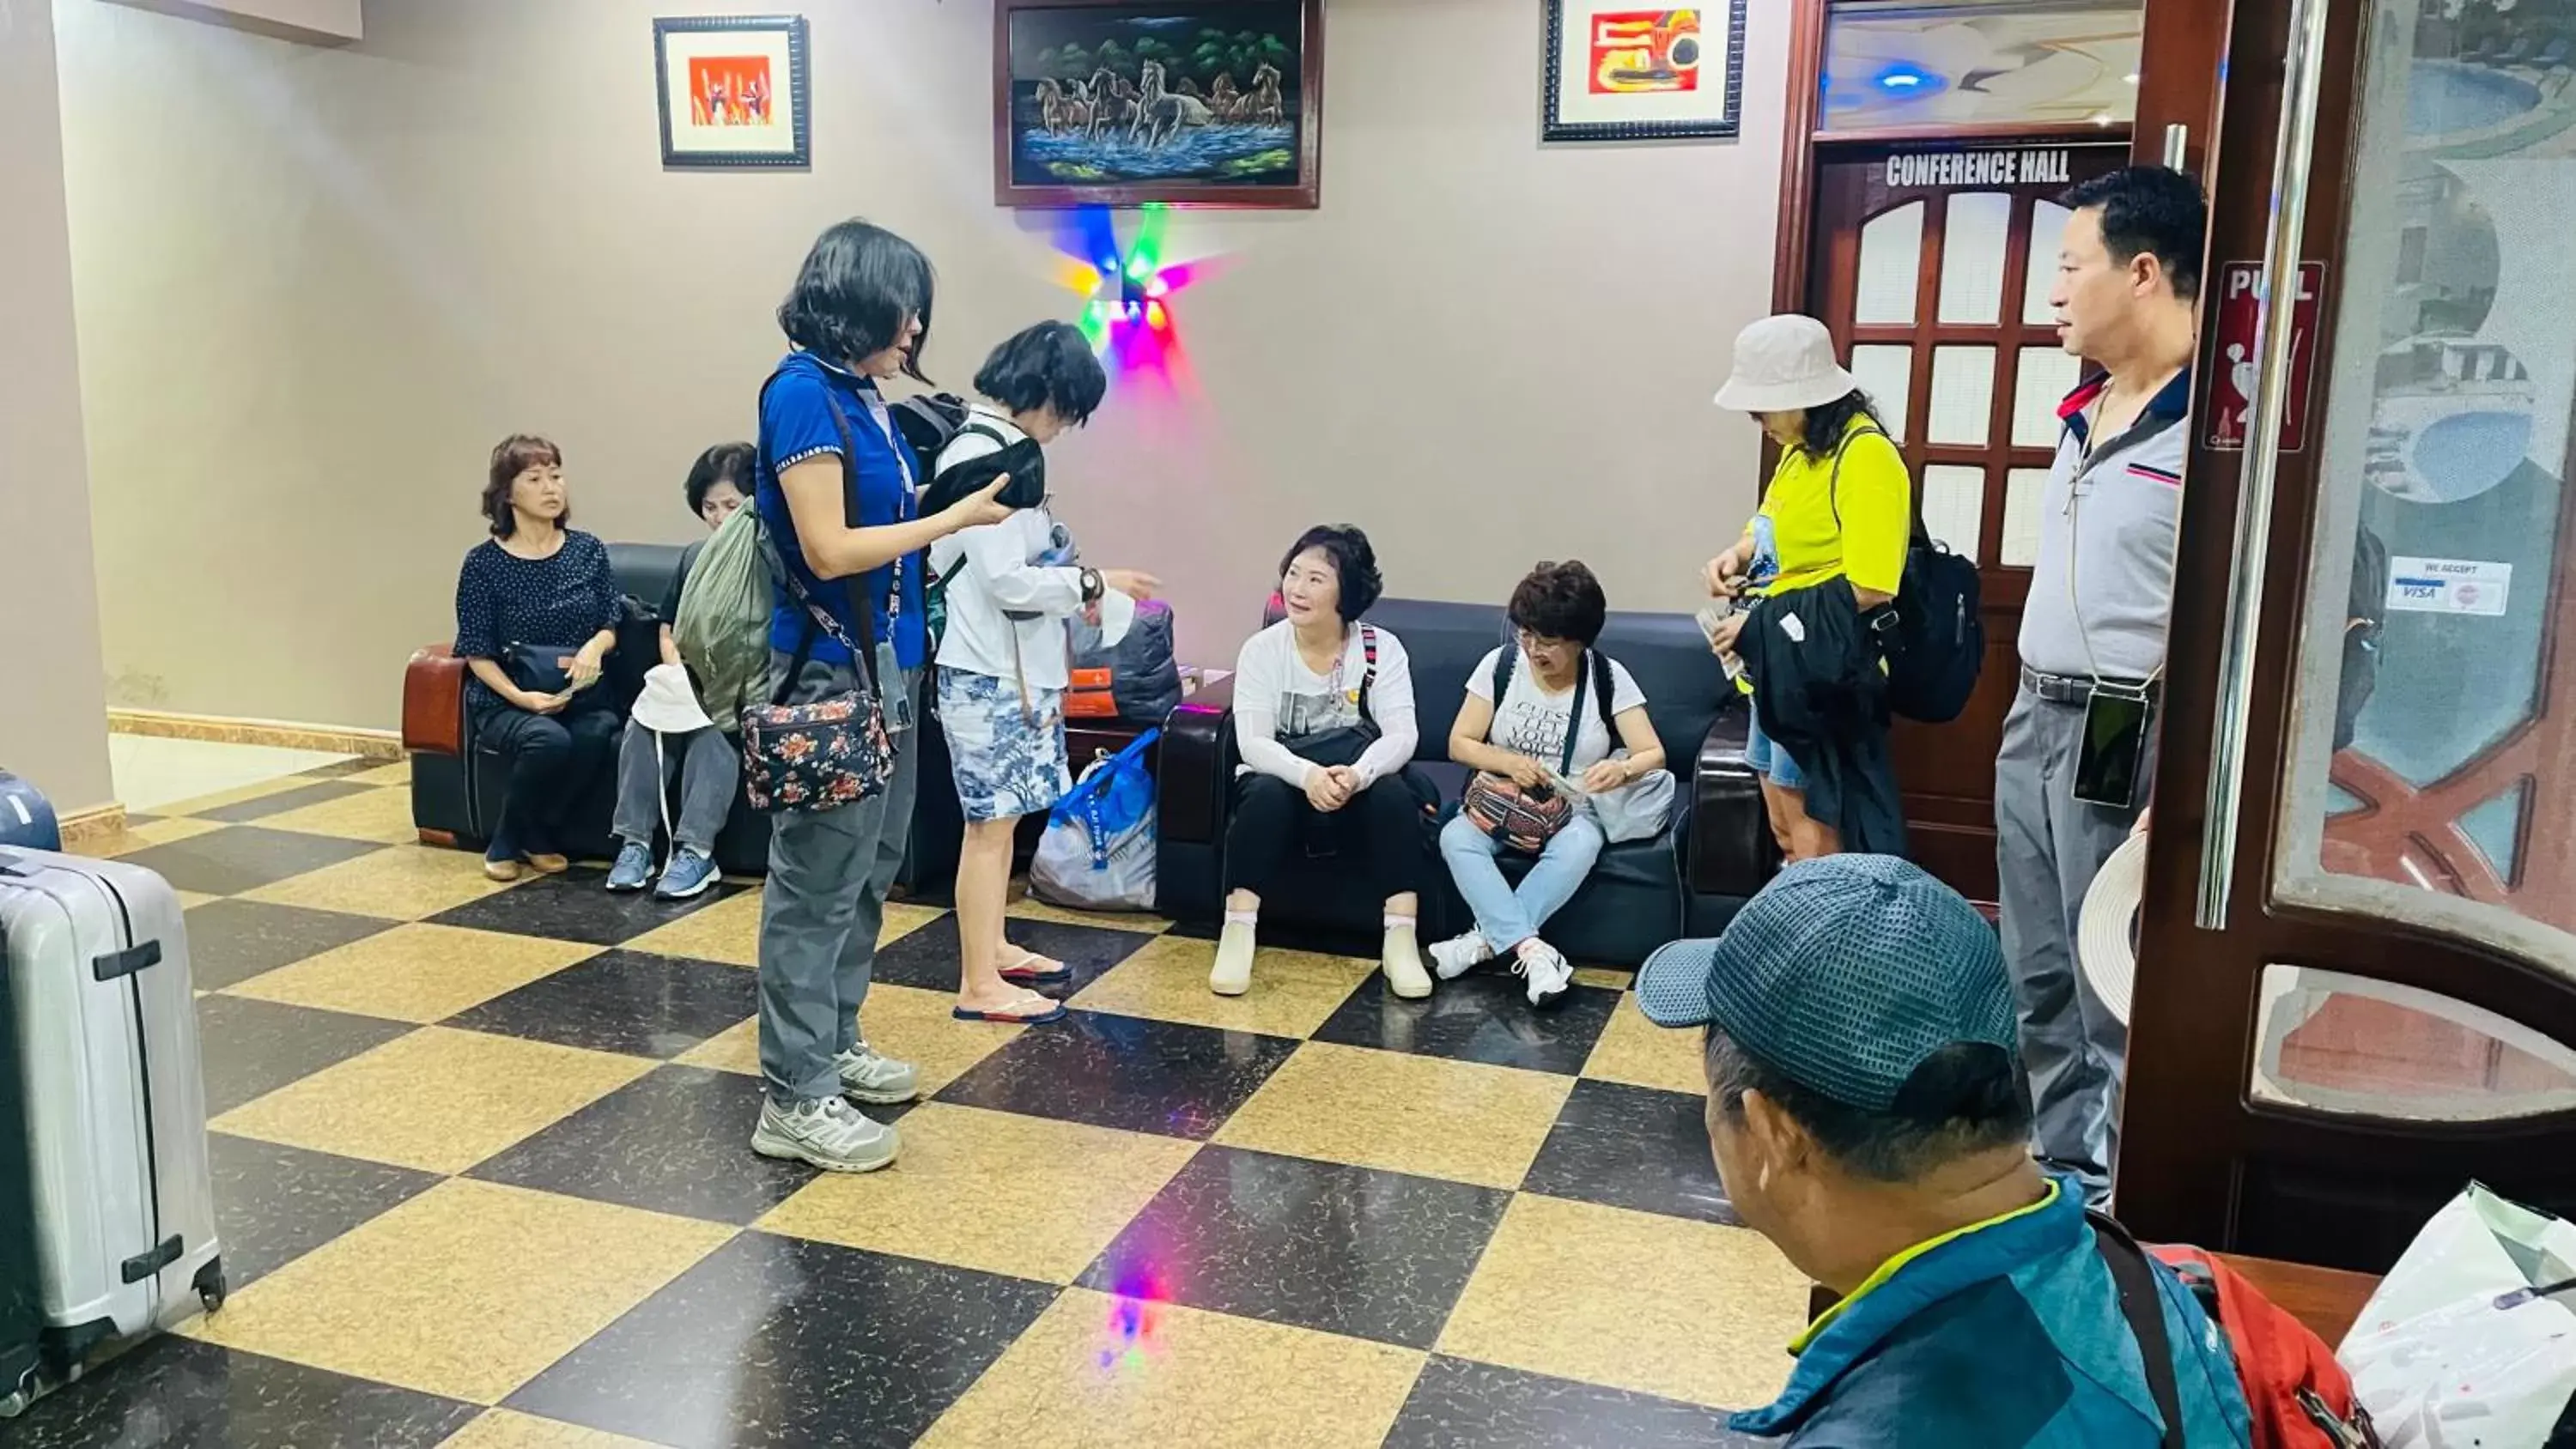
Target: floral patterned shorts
<point x="1005" y="766"/>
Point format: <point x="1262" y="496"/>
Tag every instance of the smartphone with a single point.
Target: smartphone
<point x="2111" y="759"/>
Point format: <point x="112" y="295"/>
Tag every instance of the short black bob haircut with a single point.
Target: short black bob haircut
<point x="723" y="463"/>
<point x="1964" y="1099"/>
<point x="858" y="286"/>
<point x="1561" y="601"/>
<point x="1050" y="365"/>
<point x="1354" y="565"/>
<point x="511" y="457"/>
<point x="2151" y="209"/>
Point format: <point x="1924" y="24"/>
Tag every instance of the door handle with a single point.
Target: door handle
<point x="2293" y="157"/>
<point x="2177" y="146"/>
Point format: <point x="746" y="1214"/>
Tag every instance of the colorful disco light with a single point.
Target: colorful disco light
<point x="1126" y="314"/>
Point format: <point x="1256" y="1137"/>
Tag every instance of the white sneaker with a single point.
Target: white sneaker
<point x="1402" y="961"/>
<point x="867" y="1077"/>
<point x="828" y="1133"/>
<point x="1459" y="955"/>
<point x="1545" y="970"/>
<point x="1235" y="945"/>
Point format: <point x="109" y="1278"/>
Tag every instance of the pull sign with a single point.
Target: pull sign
<point x="2230" y="399"/>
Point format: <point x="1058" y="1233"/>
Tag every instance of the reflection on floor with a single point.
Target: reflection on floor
<point x="152" y="772"/>
<point x="482" y="1166"/>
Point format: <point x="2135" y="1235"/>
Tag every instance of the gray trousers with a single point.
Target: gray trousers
<point x="821" y="909"/>
<point x="2048" y="847"/>
<point x="708" y="769"/>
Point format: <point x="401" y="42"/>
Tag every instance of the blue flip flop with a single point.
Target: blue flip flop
<point x="1056" y="1013"/>
<point x="1021" y="975"/>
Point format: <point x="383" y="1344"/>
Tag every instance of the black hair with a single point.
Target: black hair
<point x="723" y="463"/>
<point x="1050" y="365"/>
<point x="1354" y="564"/>
<point x="2151" y="209"/>
<point x="1821" y="431"/>
<point x="1561" y="601"/>
<point x="858" y="287"/>
<point x="1967" y="1098"/>
<point x="511" y="457"/>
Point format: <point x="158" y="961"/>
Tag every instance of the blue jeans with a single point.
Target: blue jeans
<point x="1506" y="917"/>
<point x="1768" y="757"/>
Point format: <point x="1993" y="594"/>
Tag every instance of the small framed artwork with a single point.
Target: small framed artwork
<point x="734" y="90"/>
<point x="1182" y="102"/>
<point x="1619" y="71"/>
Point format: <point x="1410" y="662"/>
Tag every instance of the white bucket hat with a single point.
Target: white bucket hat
<point x="1784" y="364"/>
<point x="668" y="705"/>
<point x="2107" y="928"/>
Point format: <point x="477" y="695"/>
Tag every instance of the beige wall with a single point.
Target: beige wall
<point x="316" y="285"/>
<point x="322" y="22"/>
<point x="53" y="710"/>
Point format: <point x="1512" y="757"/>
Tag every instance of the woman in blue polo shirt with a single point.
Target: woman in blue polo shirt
<point x="859" y="315"/>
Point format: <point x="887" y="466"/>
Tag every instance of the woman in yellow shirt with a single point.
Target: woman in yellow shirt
<point x="1840" y="504"/>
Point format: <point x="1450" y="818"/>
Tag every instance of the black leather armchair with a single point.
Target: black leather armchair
<point x="1689" y="880"/>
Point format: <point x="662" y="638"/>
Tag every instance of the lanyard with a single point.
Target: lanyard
<point x="906" y="507"/>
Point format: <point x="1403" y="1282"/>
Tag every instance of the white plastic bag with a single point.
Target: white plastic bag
<point x="2460" y="1346"/>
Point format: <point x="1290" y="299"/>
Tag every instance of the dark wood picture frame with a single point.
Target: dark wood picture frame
<point x="799" y="90"/>
<point x="1305" y="193"/>
<point x="1552" y="49"/>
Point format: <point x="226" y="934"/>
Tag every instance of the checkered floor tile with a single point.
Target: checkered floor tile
<point x="482" y="1161"/>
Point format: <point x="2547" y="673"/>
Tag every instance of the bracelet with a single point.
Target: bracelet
<point x="1093" y="586"/>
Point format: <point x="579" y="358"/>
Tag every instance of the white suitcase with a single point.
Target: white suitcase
<point x="115" y="1101"/>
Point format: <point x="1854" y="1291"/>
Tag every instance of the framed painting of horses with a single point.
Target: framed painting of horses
<point x="1182" y="103"/>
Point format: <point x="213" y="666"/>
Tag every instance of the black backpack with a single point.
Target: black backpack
<point x="1508" y="658"/>
<point x="1934" y="636"/>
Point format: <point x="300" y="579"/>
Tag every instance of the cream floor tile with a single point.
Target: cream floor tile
<point x="904" y="1022"/>
<point x="417" y="973"/>
<point x="383" y="816"/>
<point x="1635" y="1300"/>
<point x="405" y="883"/>
<point x="1638" y="1052"/>
<point x="1293" y="992"/>
<point x="155" y="832"/>
<point x="164" y="776"/>
<point x="1463" y="1121"/>
<point x="902" y="918"/>
<point x="1606" y="977"/>
<point x="190" y="900"/>
<point x="729" y="931"/>
<point x="438" y="1100"/>
<point x="443" y="1294"/>
<point x="1024" y="907"/>
<point x="502" y="1429"/>
<point x="213" y="799"/>
<point x="398" y="773"/>
<point x="1096" y="1372"/>
<point x="1027" y="1196"/>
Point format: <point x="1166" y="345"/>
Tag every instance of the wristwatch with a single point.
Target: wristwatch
<point x="1093" y="586"/>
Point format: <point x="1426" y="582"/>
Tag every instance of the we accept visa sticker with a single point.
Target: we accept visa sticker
<point x="2448" y="586"/>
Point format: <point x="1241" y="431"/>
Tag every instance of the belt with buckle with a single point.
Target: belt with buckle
<point x="2076" y="688"/>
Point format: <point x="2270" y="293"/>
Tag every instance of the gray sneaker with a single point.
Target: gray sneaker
<point x="883" y="1081"/>
<point x="827" y="1133"/>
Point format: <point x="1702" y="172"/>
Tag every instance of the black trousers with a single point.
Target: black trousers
<point x="553" y="760"/>
<point x="1277" y="835"/>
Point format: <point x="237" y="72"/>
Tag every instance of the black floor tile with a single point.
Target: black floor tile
<point x="274" y="1204"/>
<point x="778" y="1341"/>
<point x="1126" y="1072"/>
<point x="1349" y="1250"/>
<point x="1457" y="1404"/>
<point x="574" y="907"/>
<point x="252" y="1048"/>
<point x="1632" y="1147"/>
<point x="178" y="1393"/>
<point x="678" y="1141"/>
<point x="623" y="1001"/>
<point x="1483" y="1016"/>
<point x="232" y="941"/>
<point x="928" y="957"/>
<point x="244" y="858"/>
<point x="241" y="812"/>
<point x="356" y="765"/>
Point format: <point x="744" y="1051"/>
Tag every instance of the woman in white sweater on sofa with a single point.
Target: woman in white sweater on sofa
<point x="1324" y="721"/>
<point x="1002" y="673"/>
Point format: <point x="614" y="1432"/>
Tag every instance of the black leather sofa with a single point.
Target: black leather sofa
<point x="1690" y="880"/>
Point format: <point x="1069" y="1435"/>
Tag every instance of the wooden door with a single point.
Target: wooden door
<point x="1932" y="265"/>
<point x="2356" y="988"/>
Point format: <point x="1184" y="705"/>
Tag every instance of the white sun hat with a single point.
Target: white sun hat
<point x="1784" y="364"/>
<point x="668" y="706"/>
<point x="2106" y="932"/>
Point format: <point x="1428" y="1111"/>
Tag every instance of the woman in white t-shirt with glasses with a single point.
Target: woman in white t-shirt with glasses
<point x="1324" y="721"/>
<point x="1551" y="718"/>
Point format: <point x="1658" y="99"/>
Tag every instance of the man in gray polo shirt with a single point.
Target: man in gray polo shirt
<point x="2093" y="632"/>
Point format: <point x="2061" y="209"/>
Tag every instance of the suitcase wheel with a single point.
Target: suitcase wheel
<point x="211" y="1290"/>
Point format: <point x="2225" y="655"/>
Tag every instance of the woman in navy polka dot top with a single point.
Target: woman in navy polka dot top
<point x="537" y="593"/>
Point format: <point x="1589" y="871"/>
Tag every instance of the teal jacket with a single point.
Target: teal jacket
<point x="2006" y="1335"/>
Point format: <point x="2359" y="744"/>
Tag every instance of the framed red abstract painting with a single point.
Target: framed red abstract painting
<point x="733" y="90"/>
<point x="1621" y="71"/>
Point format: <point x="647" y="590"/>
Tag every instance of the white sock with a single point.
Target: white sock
<point x="1236" y="945"/>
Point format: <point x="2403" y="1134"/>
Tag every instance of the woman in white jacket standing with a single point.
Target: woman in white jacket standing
<point x="1009" y="590"/>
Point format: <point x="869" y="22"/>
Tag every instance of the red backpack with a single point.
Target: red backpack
<point x="2300" y="1397"/>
